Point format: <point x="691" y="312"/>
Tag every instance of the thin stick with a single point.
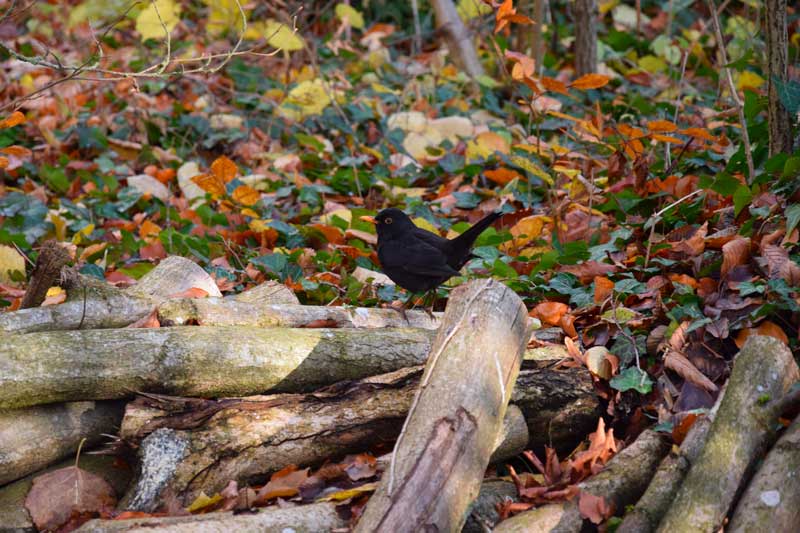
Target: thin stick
<point x="732" y="88"/>
<point x="416" y="47"/>
<point x="655" y="218"/>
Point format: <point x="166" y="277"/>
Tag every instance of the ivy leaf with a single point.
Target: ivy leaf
<point x="632" y="378"/>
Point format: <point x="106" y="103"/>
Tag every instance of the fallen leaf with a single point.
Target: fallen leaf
<point x="766" y="328"/>
<point x="590" y="81"/>
<point x="549" y="312"/>
<point x="283" y="484"/>
<point x="682" y="366"/>
<point x="734" y="252"/>
<point x="595" y="508"/>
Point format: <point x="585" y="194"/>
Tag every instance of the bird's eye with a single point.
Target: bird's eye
<point x="388" y="220"/>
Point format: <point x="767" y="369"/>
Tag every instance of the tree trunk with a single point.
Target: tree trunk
<point x="741" y="431"/>
<point x="459" y="40"/>
<point x="441" y="454"/>
<point x="780" y="121"/>
<point x="585" y="36"/>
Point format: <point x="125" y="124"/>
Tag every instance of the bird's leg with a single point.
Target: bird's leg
<point x="429" y="309"/>
<point x="402" y="307"/>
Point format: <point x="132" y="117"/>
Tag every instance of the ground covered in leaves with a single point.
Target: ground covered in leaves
<point x="632" y="228"/>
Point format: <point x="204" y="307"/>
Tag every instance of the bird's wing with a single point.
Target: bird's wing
<point x="418" y="257"/>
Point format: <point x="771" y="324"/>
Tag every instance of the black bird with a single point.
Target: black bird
<point x="416" y="259"/>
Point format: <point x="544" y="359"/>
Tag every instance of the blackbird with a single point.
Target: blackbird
<point x="416" y="259"/>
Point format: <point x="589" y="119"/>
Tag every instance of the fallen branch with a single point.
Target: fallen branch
<point x="198" y="361"/>
<point x="451" y="430"/>
<point x="743" y="428"/>
<point x="46" y="273"/>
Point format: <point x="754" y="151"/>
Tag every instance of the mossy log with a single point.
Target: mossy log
<point x="33" y="438"/>
<point x="744" y="427"/>
<point x="196" y="361"/>
<point x="771" y="501"/>
<point x="654" y="503"/>
<point x="620" y="483"/>
<point x="453" y="425"/>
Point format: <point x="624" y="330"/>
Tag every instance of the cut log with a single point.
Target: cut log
<point x="33" y="438"/>
<point x="483" y="515"/>
<point x="246" y="439"/>
<point x="772" y="499"/>
<point x="233" y="312"/>
<point x="312" y="518"/>
<point x="198" y="361"/>
<point x="451" y="430"/>
<point x="654" y="503"/>
<point x="620" y="483"/>
<point x="743" y="428"/>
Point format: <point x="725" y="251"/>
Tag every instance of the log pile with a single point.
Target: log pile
<point x="233" y="389"/>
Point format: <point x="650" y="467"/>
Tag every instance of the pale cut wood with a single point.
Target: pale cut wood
<point x="441" y="455"/>
<point x="264" y="313"/>
<point x="772" y="499"/>
<point x="744" y="426"/>
<point x="32" y="438"/>
<point x="311" y="518"/>
<point x="195" y="361"/>
<point x="620" y="483"/>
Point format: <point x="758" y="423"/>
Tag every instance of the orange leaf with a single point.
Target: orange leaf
<point x="224" y="169"/>
<point x="661" y="126"/>
<point x="194" y="292"/>
<point x="3" y="162"/>
<point x="595" y="508"/>
<point x="683" y="279"/>
<point x="516" y="18"/>
<point x="590" y="81"/>
<point x="17" y="151"/>
<point x="734" y="252"/>
<point x="700" y="133"/>
<point x="149" y="229"/>
<point x="603" y="287"/>
<point x="550" y="312"/>
<point x="766" y="328"/>
<point x="246" y="195"/>
<point x="210" y="183"/>
<point x="502" y="175"/>
<point x="552" y="84"/>
<point x="165" y="175"/>
<point x="666" y="138"/>
<point x="332" y="234"/>
<point x="15" y="119"/>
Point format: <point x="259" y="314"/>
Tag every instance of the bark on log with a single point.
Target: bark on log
<point x="459" y="40"/>
<point x="311" y="518"/>
<point x="620" y="484"/>
<point x="743" y="428"/>
<point x="655" y="502"/>
<point x="33" y="438"/>
<point x="233" y="312"/>
<point x="483" y="515"/>
<point x="198" y="361"/>
<point x="46" y="273"/>
<point x="772" y="499"/>
<point x="440" y="457"/>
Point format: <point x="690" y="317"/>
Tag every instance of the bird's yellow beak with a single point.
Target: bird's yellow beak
<point x="369" y="219"/>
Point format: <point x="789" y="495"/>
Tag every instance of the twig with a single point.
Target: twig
<point x="655" y="218"/>
<point x="417" y="42"/>
<point x="684" y="59"/>
<point x="732" y="88"/>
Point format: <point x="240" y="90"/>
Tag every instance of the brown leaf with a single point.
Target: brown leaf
<point x="194" y="292"/>
<point x="682" y="366"/>
<point x="362" y="466"/>
<point x="603" y="288"/>
<point x="595" y="508"/>
<point x="588" y="270"/>
<point x="283" y="484"/>
<point x="695" y="244"/>
<point x="149" y="321"/>
<point x="58" y="495"/>
<point x="734" y="253"/>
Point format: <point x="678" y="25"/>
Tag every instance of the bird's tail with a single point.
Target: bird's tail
<point x="466" y="239"/>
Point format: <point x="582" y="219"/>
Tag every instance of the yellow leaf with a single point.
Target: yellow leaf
<point x="424" y="224"/>
<point x="571" y="172"/>
<point x="470" y="9"/>
<point x="203" y="501"/>
<point x="529" y="228"/>
<point x="306" y="99"/>
<point x="282" y="36"/>
<point x="486" y="144"/>
<point x="749" y="80"/>
<point x="83" y="234"/>
<point x="344" y="11"/>
<point x="246" y="195"/>
<point x="533" y="168"/>
<point x="343" y="213"/>
<point x="155" y="17"/>
<point x="349" y="493"/>
<point x="14" y="119"/>
<point x="223" y="15"/>
<point x="10" y="261"/>
<point x="249" y="213"/>
<point x="93" y="249"/>
<point x="59" y="224"/>
<point x="652" y="64"/>
<point x="259" y="225"/>
<point x="590" y="81"/>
